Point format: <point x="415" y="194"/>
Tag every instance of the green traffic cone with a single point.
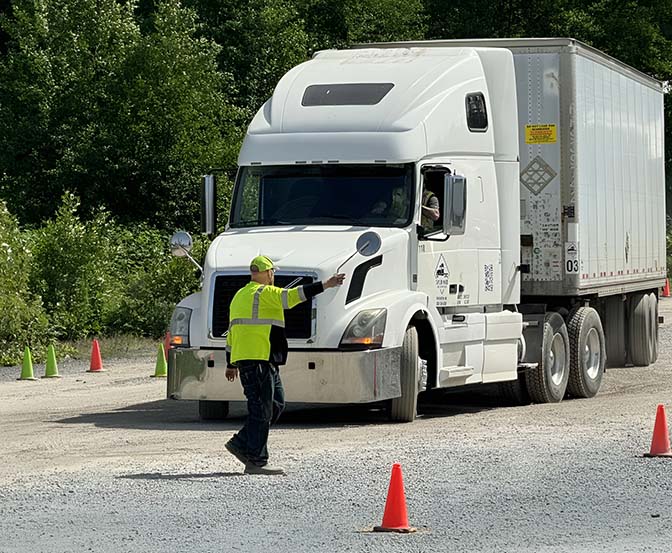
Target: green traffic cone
<point x="161" y="365"/>
<point x="27" y="367"/>
<point x="52" y="367"/>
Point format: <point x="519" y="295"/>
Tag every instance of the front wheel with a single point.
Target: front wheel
<point x="547" y="383"/>
<point x="404" y="408"/>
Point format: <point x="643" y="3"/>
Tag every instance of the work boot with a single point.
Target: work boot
<point x="251" y="468"/>
<point x="236" y="452"/>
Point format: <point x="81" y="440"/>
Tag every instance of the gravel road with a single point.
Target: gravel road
<point x="101" y="462"/>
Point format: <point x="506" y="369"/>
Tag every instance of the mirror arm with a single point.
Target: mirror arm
<point x="191" y="258"/>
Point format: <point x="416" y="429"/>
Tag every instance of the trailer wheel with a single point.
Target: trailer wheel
<point x="655" y="327"/>
<point x="548" y="382"/>
<point x="614" y="331"/>
<point x="641" y="331"/>
<point x="213" y="410"/>
<point x="587" y="352"/>
<point x="404" y="408"/>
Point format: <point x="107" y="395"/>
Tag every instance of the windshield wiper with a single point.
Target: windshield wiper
<point x="350" y="220"/>
<point x="258" y="222"/>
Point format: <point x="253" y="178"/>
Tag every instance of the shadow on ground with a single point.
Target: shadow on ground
<point x="162" y="476"/>
<point x="183" y="415"/>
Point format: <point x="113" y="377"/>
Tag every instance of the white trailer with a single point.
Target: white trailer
<point x="547" y="157"/>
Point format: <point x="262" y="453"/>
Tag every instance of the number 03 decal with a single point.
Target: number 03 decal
<point x="571" y="257"/>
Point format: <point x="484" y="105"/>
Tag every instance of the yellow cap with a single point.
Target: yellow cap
<point x="262" y="263"/>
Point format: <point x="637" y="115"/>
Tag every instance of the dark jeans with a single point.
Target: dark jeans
<point x="265" y="403"/>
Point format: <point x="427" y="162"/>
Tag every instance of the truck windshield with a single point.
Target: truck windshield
<point x="361" y="195"/>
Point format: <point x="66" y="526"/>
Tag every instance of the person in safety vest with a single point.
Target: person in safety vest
<point x="255" y="347"/>
<point x="430" y="210"/>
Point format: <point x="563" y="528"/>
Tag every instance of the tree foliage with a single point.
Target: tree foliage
<point x="124" y="119"/>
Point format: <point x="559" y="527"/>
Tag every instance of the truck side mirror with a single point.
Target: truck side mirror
<point x="209" y="205"/>
<point x="454" y="204"/>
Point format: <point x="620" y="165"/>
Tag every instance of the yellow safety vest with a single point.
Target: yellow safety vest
<point x="254" y="310"/>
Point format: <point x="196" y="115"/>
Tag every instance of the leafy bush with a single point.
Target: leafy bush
<point x="74" y="270"/>
<point x="97" y="277"/>
<point x="156" y="281"/>
<point x="22" y="319"/>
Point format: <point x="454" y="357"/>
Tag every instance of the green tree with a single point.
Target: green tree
<point x="23" y="321"/>
<point x="90" y="104"/>
<point x="340" y="24"/>
<point x="260" y="40"/>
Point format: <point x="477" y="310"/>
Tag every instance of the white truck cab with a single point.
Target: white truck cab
<point x="348" y="148"/>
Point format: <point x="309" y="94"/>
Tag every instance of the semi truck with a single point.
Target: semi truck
<point x="544" y="263"/>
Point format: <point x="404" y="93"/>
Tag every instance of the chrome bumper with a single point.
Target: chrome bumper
<point x="308" y="377"/>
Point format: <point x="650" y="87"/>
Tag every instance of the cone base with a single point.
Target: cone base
<point x="158" y="375"/>
<point x="667" y="454"/>
<point x="96" y="371"/>
<point x="29" y="378"/>
<point x="52" y="376"/>
<point x="400" y="530"/>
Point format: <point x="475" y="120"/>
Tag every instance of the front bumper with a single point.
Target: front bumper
<point x="325" y="376"/>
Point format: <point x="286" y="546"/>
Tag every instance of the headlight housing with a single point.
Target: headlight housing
<point x="179" y="327"/>
<point x="366" y="330"/>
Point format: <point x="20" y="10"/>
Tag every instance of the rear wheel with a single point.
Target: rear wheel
<point x="213" y="410"/>
<point x="548" y="382"/>
<point x="404" y="408"/>
<point x="587" y="352"/>
<point x="642" y="332"/>
<point x="614" y="331"/>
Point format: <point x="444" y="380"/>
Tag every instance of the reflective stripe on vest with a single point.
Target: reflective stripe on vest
<point x="254" y="311"/>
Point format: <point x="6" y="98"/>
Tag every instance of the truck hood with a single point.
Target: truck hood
<point x="314" y="249"/>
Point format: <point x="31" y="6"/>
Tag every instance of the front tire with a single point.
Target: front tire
<point x="548" y="382"/>
<point x="404" y="408"/>
<point x="587" y="352"/>
<point x="213" y="410"/>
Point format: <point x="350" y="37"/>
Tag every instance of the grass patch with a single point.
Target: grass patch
<point x="121" y="346"/>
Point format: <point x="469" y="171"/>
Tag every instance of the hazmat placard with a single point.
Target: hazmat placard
<point x="541" y="134"/>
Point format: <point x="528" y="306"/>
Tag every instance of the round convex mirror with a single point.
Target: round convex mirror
<point x="181" y="244"/>
<point x="368" y="243"/>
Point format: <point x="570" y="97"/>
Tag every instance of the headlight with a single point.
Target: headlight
<point x="179" y="327"/>
<point x="367" y="329"/>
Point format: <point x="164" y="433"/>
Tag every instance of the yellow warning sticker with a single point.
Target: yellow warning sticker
<point x="540" y="134"/>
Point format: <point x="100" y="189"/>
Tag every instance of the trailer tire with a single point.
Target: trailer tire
<point x="655" y="327"/>
<point x="587" y="352"/>
<point x="213" y="410"/>
<point x="404" y="408"/>
<point x="548" y="382"/>
<point x="640" y="330"/>
<point x="514" y="392"/>
<point x="614" y="332"/>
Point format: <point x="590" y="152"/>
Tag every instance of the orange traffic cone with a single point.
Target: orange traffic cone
<point x="96" y="361"/>
<point x="666" y="288"/>
<point x="660" y="444"/>
<point x="166" y="344"/>
<point x="395" y="518"/>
